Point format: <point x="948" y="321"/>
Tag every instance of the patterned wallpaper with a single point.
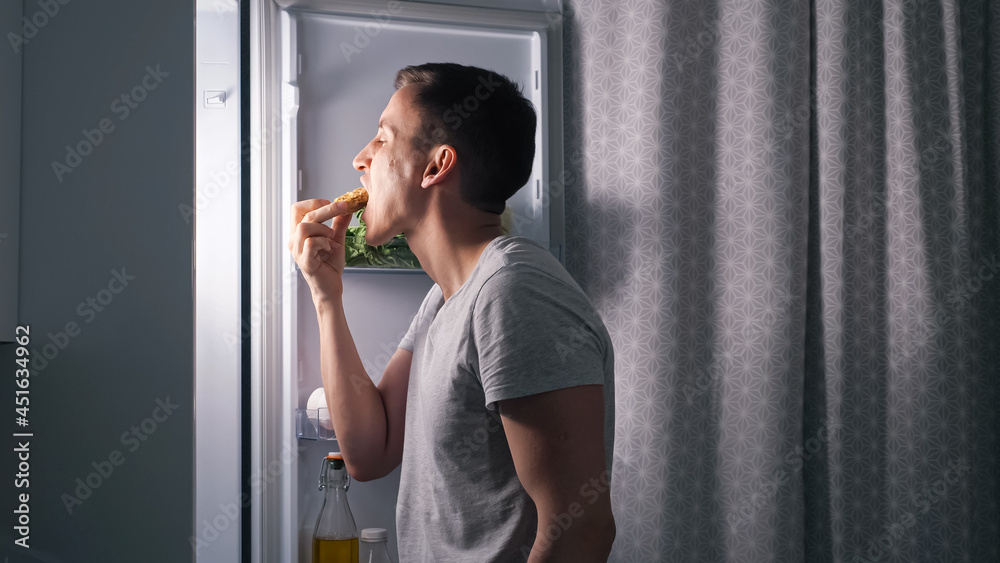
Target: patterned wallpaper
<point x="786" y="213"/>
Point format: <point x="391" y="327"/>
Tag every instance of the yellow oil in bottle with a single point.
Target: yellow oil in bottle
<point x="335" y="551"/>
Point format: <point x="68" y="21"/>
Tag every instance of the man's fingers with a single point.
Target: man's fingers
<point x="301" y="208"/>
<point x="311" y="242"/>
<point x="313" y="245"/>
<point x="305" y="231"/>
<point x="315" y="251"/>
<point x="339" y="226"/>
<point x="327" y="212"/>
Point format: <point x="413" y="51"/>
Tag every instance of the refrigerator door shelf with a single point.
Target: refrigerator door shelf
<point x="314" y="424"/>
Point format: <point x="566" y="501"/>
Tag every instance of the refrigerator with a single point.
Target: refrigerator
<point x="288" y="92"/>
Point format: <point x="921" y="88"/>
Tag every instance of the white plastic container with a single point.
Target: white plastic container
<point x="374" y="546"/>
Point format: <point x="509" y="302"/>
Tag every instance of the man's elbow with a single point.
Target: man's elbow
<point x="598" y="534"/>
<point x="587" y="540"/>
<point x="603" y="534"/>
<point x="599" y="527"/>
<point x="367" y="472"/>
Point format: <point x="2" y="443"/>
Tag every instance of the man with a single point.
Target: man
<point x="499" y="401"/>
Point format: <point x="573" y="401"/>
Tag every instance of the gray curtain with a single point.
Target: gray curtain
<point x="786" y="213"/>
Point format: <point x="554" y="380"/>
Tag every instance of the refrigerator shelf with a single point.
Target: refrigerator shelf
<point x="373" y="269"/>
<point x="311" y="424"/>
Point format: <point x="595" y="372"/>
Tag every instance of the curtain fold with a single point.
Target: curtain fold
<point x="787" y="215"/>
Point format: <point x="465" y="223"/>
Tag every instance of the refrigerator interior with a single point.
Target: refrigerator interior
<point x="336" y="75"/>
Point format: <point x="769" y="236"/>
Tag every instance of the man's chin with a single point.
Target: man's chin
<point x="376" y="238"/>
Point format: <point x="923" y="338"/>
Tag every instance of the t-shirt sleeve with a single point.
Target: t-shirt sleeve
<point x="406" y="343"/>
<point x="419" y="319"/>
<point x="534" y="333"/>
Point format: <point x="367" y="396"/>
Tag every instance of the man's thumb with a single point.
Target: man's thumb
<point x="339" y="226"/>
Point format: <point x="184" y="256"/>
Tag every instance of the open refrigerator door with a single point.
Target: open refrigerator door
<point x="321" y="72"/>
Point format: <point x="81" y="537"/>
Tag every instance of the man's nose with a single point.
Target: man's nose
<point x="362" y="160"/>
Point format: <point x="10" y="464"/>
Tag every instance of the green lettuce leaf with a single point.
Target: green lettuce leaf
<point x="394" y="254"/>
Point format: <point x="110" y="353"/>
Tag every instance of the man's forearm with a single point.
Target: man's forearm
<point x="355" y="403"/>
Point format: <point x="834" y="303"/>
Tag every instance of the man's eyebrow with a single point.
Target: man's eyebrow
<point x="386" y="126"/>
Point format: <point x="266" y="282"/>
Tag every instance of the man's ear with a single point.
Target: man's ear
<point x="442" y="165"/>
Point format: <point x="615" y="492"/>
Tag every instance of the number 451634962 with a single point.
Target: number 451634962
<point x="23" y="337"/>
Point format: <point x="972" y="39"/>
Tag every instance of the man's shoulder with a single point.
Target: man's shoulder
<point x="519" y="261"/>
<point x="512" y="248"/>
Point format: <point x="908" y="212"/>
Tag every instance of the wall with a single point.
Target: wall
<point x="105" y="282"/>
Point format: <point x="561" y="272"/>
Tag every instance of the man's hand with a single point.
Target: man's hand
<point x="318" y="249"/>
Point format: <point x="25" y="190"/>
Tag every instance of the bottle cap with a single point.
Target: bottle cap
<point x="374" y="534"/>
<point x="336" y="460"/>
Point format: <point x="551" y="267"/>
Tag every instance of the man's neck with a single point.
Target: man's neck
<point x="449" y="256"/>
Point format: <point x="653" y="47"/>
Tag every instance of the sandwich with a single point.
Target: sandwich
<point x="356" y="200"/>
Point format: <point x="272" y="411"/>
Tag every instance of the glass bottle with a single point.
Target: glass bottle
<point x="375" y="546"/>
<point x="335" y="539"/>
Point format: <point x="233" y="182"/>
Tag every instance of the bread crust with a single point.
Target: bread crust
<point x="356" y="199"/>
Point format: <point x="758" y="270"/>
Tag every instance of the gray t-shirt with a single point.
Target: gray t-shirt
<point x="518" y="326"/>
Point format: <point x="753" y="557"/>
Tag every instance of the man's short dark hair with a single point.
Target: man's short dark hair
<point x="484" y="115"/>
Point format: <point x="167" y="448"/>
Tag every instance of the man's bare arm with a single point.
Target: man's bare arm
<point x="557" y="442"/>
<point x="368" y="420"/>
